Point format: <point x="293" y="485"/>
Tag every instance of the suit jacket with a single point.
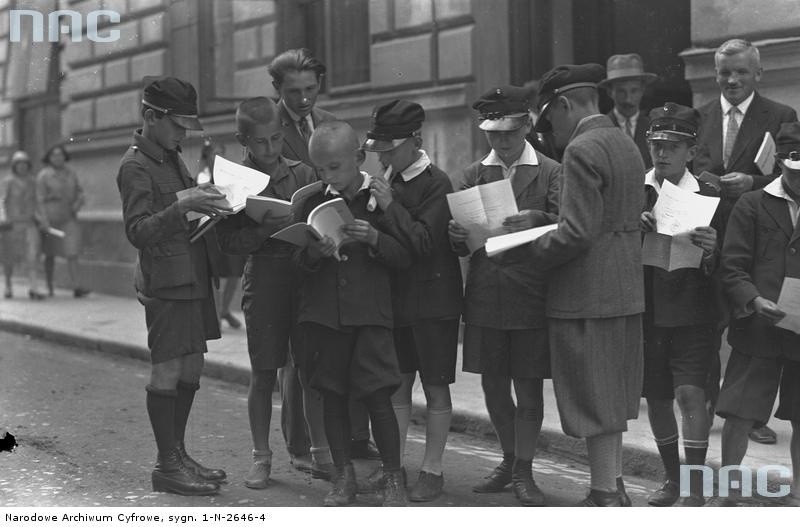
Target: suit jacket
<point x="761" y="248"/>
<point x="431" y="289"/>
<point x="595" y="254"/>
<point x="168" y="266"/>
<point x="506" y="292"/>
<point x="294" y="146"/>
<point x="763" y="115"/>
<point x="639" y="137"/>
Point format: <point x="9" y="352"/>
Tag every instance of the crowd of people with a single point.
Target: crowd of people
<point x="345" y="328"/>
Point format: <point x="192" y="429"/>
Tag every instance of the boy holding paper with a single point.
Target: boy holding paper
<point x="505" y="335"/>
<point x="759" y="256"/>
<point x="346" y="313"/>
<point x="680" y="316"/>
<point x="270" y="289"/>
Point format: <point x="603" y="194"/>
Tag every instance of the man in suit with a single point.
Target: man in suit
<point x="296" y="77"/>
<point x="595" y="289"/>
<point x="625" y="83"/>
<point x="760" y="252"/>
<point x="731" y="131"/>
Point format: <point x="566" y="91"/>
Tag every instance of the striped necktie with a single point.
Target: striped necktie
<point x="730" y="136"/>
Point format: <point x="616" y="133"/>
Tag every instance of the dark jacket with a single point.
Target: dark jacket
<point x="639" y="137"/>
<point x="507" y="292"/>
<point x="431" y="289"/>
<point x="168" y="266"/>
<point x="355" y="291"/>
<point x="294" y="146"/>
<point x="761" y="249"/>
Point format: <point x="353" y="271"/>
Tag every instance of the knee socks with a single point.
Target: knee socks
<point x="161" y="410"/>
<point x="384" y="428"/>
<point x="337" y="426"/>
<point x="528" y="424"/>
<point x="668" y="449"/>
<point x="183" y="406"/>
<point x="402" y="413"/>
<point x="695" y="452"/>
<point x="603" y="461"/>
<point x="436" y="429"/>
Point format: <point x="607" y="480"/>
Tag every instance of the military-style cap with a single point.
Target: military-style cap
<point x="562" y="79"/>
<point x="392" y="124"/>
<point x="174" y="97"/>
<point x="503" y="109"/>
<point x="626" y="67"/>
<point x="20" y="156"/>
<point x="787" y="145"/>
<point x="673" y="122"/>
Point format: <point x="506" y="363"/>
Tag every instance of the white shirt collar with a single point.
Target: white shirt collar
<point x="416" y="168"/>
<point x="621" y="118"/>
<point x="688" y="182"/>
<point x="775" y="188"/>
<point x="528" y="157"/>
<point x="743" y="106"/>
<point x="330" y="191"/>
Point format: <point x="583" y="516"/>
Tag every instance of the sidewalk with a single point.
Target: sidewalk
<point x="116" y="325"/>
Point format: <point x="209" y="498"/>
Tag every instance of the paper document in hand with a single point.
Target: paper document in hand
<point x="237" y="182"/>
<point x="58" y="233"/>
<point x="257" y="206"/>
<point x="373" y="202"/>
<point x="789" y="303"/>
<point x="497" y="244"/>
<point x="325" y="220"/>
<point x="670" y="252"/>
<point x="482" y="210"/>
<point x="765" y="157"/>
<point x="679" y="211"/>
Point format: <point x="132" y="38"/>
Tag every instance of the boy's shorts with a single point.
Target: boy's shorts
<point x="751" y="384"/>
<point x="178" y="327"/>
<point x="356" y="361"/>
<point x="676" y="356"/>
<point x="430" y="347"/>
<point x="515" y="353"/>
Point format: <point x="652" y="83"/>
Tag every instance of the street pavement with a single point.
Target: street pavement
<point x="115" y="326"/>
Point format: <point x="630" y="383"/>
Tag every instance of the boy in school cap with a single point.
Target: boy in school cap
<point x="680" y="314"/>
<point x="505" y="334"/>
<point x="426" y="296"/>
<point x="759" y="254"/>
<point x="173" y="276"/>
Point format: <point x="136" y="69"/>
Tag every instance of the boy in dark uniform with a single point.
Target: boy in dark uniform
<point x="680" y="316"/>
<point x="505" y="334"/>
<point x="346" y="313"/>
<point x="426" y="296"/>
<point x="270" y="288"/>
<point x="173" y="276"/>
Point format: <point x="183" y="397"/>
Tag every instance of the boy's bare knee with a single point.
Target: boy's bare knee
<point x="165" y="375"/>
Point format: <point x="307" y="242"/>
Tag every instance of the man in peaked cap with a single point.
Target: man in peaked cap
<point x="761" y="250"/>
<point x="625" y="83"/>
<point x="427" y="295"/>
<point x="681" y="317"/>
<point x="505" y="335"/>
<point x="595" y="296"/>
<point x="173" y="276"/>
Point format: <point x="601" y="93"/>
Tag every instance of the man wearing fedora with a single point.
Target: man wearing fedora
<point x="625" y="83"/>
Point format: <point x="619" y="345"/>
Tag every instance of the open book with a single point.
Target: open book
<point x="482" y="210"/>
<point x="257" y="206"/>
<point x="325" y="220"/>
<point x="765" y="157"/>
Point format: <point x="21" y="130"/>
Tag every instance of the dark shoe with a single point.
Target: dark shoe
<point x="364" y="449"/>
<point x="394" y="489"/>
<point x="79" y="292"/>
<point x="428" y="487"/>
<point x="764" y="435"/>
<point x="598" y="498"/>
<point x="666" y="496"/>
<point x="523" y="486"/>
<point x="171" y="475"/>
<point x="322" y="471"/>
<point x="691" y="501"/>
<point x="302" y="463"/>
<point x="231" y="320"/>
<point x="377" y="481"/>
<point x="258" y="476"/>
<point x="498" y="479"/>
<point x="625" y="500"/>
<point x="209" y="474"/>
<point x="344" y="487"/>
<point x="35" y="295"/>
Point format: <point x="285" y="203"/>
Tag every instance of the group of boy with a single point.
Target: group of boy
<point x="360" y="319"/>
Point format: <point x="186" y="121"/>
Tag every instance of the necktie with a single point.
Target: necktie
<point x="629" y="127"/>
<point x="730" y="136"/>
<point x="302" y="125"/>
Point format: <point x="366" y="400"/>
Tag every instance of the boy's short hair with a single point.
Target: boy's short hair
<point x="255" y="111"/>
<point x="295" y="60"/>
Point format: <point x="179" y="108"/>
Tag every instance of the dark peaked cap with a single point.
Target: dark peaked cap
<point x="504" y="108"/>
<point x="673" y="122"/>
<point x="393" y="123"/>
<point x="175" y="98"/>
<point x="561" y="79"/>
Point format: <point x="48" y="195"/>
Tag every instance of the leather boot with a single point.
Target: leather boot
<point x="498" y="479"/>
<point x="624" y="499"/>
<point x="210" y="474"/>
<point x="344" y="487"/>
<point x="394" y="490"/>
<point x="523" y="486"/>
<point x="171" y="475"/>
